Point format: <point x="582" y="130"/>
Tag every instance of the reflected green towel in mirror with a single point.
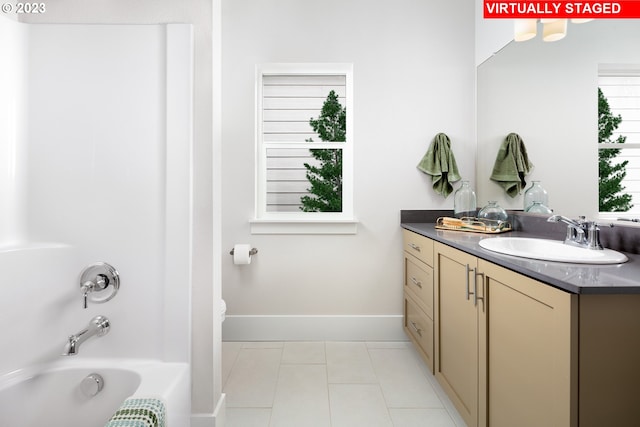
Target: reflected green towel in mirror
<point x="512" y="164"/>
<point x="440" y="163"/>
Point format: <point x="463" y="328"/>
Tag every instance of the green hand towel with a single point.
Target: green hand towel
<point x="441" y="165"/>
<point x="512" y="164"/>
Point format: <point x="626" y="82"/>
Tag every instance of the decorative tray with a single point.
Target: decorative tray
<point x="474" y="225"/>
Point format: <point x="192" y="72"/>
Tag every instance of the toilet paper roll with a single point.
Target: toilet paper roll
<point x="241" y="254"/>
<point x="223" y="310"/>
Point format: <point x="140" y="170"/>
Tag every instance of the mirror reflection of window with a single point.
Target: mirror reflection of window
<point x="619" y="139"/>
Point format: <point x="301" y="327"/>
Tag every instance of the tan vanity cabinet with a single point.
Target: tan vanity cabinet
<point x="504" y="344"/>
<point x="459" y="325"/>
<point x="418" y="293"/>
<point x="511" y="351"/>
<point x="531" y="351"/>
<point x="609" y="360"/>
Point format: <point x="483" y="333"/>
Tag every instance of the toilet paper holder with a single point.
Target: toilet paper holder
<point x="252" y="252"/>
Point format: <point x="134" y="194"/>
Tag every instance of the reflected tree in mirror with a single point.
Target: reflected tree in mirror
<point x="326" y="177"/>
<point x="611" y="173"/>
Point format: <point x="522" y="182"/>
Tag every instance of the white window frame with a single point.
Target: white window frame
<point x="615" y="70"/>
<point x="304" y="222"/>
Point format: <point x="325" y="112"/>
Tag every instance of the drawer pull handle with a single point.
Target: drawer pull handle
<point x="416" y="282"/>
<point x="418" y="330"/>
<point x="414" y="246"/>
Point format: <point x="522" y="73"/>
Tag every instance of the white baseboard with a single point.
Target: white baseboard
<point x="220" y="413"/>
<point x="203" y="420"/>
<point x="313" y="328"/>
<point x="217" y="419"/>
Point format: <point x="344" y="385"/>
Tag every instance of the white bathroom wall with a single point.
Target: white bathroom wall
<point x="491" y="34"/>
<point x="413" y="65"/>
<point x="101" y="117"/>
<point x="12" y="131"/>
<point x="547" y="93"/>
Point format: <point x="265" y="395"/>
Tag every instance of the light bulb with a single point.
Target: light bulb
<point x="524" y="29"/>
<point x="554" y="31"/>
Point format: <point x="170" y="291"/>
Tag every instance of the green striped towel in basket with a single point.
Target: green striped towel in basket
<point x="136" y="412"/>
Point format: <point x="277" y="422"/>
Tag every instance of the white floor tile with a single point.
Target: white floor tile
<point x="303" y="353"/>
<point x="263" y="344"/>
<point x="388" y="344"/>
<point x="302" y="397"/>
<point x="253" y="378"/>
<point x="349" y="362"/>
<point x="337" y="384"/>
<point x="421" y="418"/>
<point x="247" y="417"/>
<point x="358" y="405"/>
<point x="403" y="383"/>
<point x="448" y="405"/>
<point x="230" y="351"/>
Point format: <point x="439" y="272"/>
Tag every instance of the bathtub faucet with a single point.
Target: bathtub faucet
<point x="98" y="326"/>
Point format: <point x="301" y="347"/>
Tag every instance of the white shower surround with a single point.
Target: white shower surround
<point x="96" y="143"/>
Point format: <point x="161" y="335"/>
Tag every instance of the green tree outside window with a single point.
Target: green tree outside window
<point x="611" y="196"/>
<point x="326" y="178"/>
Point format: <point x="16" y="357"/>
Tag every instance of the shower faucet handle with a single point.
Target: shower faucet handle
<point x="99" y="282"/>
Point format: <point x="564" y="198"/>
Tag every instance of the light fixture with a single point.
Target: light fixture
<point x="554" y="31"/>
<point x="525" y="29"/>
<point x="580" y="21"/>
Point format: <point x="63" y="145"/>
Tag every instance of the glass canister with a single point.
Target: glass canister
<point x="535" y="193"/>
<point x="538" y="207"/>
<point x="464" y="201"/>
<point x="493" y="211"/>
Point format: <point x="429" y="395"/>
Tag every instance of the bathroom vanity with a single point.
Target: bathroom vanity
<point x="521" y="342"/>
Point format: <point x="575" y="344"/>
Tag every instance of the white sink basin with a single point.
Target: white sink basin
<point x="551" y="250"/>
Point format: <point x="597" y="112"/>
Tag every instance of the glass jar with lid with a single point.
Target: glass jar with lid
<point x="464" y="201"/>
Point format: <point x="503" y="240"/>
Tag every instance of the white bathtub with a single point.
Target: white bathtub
<point x="50" y="395"/>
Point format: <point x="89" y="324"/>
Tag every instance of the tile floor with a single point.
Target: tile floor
<point x="337" y="384"/>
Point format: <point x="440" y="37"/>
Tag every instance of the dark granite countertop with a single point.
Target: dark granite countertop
<point x="575" y="278"/>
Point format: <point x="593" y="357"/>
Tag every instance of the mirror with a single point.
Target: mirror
<point x="547" y="93"/>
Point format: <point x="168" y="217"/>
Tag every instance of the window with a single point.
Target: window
<point x="304" y="149"/>
<point x="619" y="141"/>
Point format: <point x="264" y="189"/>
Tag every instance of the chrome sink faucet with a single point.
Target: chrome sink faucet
<point x="580" y="232"/>
<point x="98" y="326"/>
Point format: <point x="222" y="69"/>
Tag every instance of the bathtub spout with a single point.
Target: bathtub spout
<point x="98" y="326"/>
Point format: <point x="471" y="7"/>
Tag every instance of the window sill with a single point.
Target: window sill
<point x="303" y="226"/>
<point x="620" y="218"/>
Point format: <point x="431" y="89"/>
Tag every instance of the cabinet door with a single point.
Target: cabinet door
<point x="456" y="329"/>
<point x="531" y="347"/>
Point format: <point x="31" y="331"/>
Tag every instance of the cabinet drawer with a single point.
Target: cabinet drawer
<point x="419" y="278"/>
<point x="418" y="246"/>
<point x="420" y="327"/>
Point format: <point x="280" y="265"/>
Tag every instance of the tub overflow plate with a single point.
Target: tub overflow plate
<point x="92" y="384"/>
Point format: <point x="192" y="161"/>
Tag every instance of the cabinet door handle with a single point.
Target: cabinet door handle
<point x="475" y="286"/>
<point x="416" y="282"/>
<point x="469" y="270"/>
<point x="418" y="330"/>
<point x="414" y="246"/>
